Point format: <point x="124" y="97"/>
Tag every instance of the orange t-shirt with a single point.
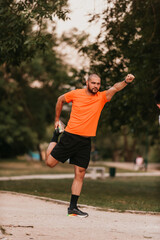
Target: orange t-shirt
<point x="85" y="111"/>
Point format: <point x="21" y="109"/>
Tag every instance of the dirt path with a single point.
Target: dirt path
<point x="24" y="217"/>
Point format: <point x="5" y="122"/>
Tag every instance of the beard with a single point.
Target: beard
<point x="93" y="90"/>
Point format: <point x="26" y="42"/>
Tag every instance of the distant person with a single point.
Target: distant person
<point x="139" y="163"/>
<point x="75" y="142"/>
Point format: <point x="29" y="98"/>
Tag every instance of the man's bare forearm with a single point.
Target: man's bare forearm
<point x="119" y="86"/>
<point x="59" y="105"/>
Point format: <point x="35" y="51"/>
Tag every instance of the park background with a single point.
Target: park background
<point x="39" y="61"/>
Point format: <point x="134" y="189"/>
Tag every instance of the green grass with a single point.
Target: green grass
<point x="17" y="167"/>
<point x="21" y="167"/>
<point x="132" y="193"/>
<point x="139" y="193"/>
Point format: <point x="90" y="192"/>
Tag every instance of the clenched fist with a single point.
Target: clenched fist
<point x="129" y="78"/>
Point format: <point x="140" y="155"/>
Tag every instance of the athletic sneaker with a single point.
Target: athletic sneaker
<point x="77" y="212"/>
<point x="58" y="131"/>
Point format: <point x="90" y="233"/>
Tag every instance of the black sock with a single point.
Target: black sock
<point x="73" y="202"/>
<point x="55" y="136"/>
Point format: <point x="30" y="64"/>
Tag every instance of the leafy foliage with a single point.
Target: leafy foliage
<point x="18" y="40"/>
<point x="129" y="43"/>
<point x="28" y="58"/>
<point x="25" y="109"/>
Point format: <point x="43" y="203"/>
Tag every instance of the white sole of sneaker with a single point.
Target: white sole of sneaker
<point x="75" y="215"/>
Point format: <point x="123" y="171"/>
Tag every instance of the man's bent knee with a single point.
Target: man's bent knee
<point x="51" y="161"/>
<point x="80" y="172"/>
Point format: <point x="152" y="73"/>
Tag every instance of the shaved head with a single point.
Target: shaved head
<point x="93" y="76"/>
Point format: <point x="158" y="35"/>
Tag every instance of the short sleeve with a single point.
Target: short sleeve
<point x="104" y="97"/>
<point x="69" y="96"/>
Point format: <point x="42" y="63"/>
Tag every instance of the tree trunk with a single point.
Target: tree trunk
<point x="116" y="155"/>
<point x="128" y="150"/>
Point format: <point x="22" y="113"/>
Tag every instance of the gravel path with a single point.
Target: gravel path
<point x="24" y="217"/>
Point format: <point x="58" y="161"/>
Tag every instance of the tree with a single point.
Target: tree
<point x="28" y="57"/>
<point x="26" y="110"/>
<point x="18" y="40"/>
<point x="129" y="42"/>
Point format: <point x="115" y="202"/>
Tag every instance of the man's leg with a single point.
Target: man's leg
<point x="51" y="161"/>
<point x="78" y="180"/>
<point x="76" y="191"/>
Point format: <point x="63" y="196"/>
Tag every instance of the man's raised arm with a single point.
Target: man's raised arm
<point x="61" y="100"/>
<point x="119" y="86"/>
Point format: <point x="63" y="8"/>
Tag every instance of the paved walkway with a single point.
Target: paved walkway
<point x="151" y="167"/>
<point x="30" y="217"/>
<point x="68" y="176"/>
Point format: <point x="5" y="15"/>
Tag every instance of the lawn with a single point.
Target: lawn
<point x="140" y="193"/>
<point x="130" y="193"/>
<point x="16" y="167"/>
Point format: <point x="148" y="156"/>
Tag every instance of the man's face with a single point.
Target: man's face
<point x="93" y="85"/>
<point x="158" y="105"/>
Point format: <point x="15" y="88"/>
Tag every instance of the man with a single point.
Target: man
<point x="75" y="143"/>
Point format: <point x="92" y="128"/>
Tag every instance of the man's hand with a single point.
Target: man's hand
<point x="56" y="124"/>
<point x="129" y="78"/>
<point x="119" y="86"/>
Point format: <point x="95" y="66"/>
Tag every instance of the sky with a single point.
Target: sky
<point x="79" y="19"/>
<point x="79" y="16"/>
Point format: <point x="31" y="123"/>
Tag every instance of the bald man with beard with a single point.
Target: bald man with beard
<point x="75" y="142"/>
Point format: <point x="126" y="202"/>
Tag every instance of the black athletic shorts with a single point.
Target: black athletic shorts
<point x="73" y="147"/>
